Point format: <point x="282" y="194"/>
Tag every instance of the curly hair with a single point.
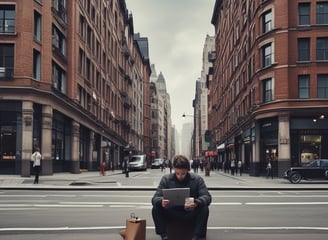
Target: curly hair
<point x="181" y="162"/>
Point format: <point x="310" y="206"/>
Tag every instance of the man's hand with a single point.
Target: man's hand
<point x="165" y="203"/>
<point x="190" y="204"/>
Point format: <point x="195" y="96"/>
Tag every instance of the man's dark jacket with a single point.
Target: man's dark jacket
<point x="198" y="189"/>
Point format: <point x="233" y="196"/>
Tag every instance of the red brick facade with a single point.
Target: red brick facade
<point x="260" y="108"/>
<point x="72" y="75"/>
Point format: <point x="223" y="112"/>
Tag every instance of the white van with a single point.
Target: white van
<point x="138" y="162"/>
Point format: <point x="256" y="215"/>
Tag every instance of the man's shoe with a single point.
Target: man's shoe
<point x="198" y="238"/>
<point x="164" y="237"/>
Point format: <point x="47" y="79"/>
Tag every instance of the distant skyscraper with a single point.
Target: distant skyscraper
<point x="186" y="139"/>
<point x="161" y="115"/>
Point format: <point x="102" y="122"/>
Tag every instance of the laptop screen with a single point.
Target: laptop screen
<point x="176" y="196"/>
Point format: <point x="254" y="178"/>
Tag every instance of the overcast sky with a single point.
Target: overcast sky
<point x="176" y="32"/>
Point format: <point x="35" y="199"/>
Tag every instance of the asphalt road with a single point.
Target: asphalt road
<point x="82" y="215"/>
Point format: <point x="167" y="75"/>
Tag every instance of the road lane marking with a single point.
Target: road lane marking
<point x="15" y="205"/>
<point x="4" y="197"/>
<point x="122" y="206"/>
<point x="145" y="204"/>
<point x="118" y="196"/>
<point x="49" y="205"/>
<point x="231" y="203"/>
<point x="69" y="205"/>
<point x="145" y="207"/>
<point x="269" y="228"/>
<point x="109" y="203"/>
<point x="269" y="196"/>
<point x="25" y="229"/>
<point x="59" y="228"/>
<point x="286" y="203"/>
<point x="24" y="196"/>
<point x="15" y="209"/>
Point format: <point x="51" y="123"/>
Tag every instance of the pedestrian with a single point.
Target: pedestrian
<point x="233" y="166"/>
<point x="201" y="165"/>
<point x="197" y="211"/>
<point x="170" y="165"/>
<point x="36" y="159"/>
<point x="126" y="166"/>
<point x="269" y="170"/>
<point x="240" y="167"/>
<point x="197" y="162"/>
<point x="207" y="166"/>
<point x="103" y="168"/>
<point x="225" y="166"/>
<point x="162" y="165"/>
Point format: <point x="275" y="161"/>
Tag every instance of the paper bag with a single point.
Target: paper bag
<point x="135" y="229"/>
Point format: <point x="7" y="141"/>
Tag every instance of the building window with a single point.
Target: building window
<point x="7" y="18"/>
<point x="89" y="37"/>
<point x="304" y="49"/>
<point x="267" y="55"/>
<point x="6" y="61"/>
<point x="88" y="69"/>
<point x="267" y="21"/>
<point x="322" y="49"/>
<point x="81" y="26"/>
<point x="60" y="8"/>
<point x="59" y="41"/>
<point x="267" y="90"/>
<point x="36" y="65"/>
<point x="37" y="26"/>
<point x="322" y="13"/>
<point x="304" y="86"/>
<point x="81" y="60"/>
<point x="323" y="86"/>
<point x="58" y="78"/>
<point x="304" y="14"/>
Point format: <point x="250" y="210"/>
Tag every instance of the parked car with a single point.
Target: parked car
<point x="137" y="162"/>
<point x="315" y="169"/>
<point x="157" y="163"/>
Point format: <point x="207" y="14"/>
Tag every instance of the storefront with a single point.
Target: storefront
<point x="221" y="155"/>
<point x="10" y="138"/>
<point x="66" y="145"/>
<point x="247" y="146"/>
<point x="61" y="142"/>
<point x="268" y="144"/>
<point x="212" y="157"/>
<point x="309" y="140"/>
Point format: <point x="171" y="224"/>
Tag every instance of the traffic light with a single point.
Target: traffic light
<point x="207" y="136"/>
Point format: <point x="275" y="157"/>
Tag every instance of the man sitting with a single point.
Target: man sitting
<point x="197" y="211"/>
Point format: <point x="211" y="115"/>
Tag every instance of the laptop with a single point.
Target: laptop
<point x="176" y="196"/>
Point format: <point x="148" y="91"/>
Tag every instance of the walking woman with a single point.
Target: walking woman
<point x="36" y="159"/>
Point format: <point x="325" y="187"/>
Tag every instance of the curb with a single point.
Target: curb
<point x="90" y="187"/>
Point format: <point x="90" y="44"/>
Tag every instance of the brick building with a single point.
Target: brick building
<point x="72" y="78"/>
<point x="268" y="98"/>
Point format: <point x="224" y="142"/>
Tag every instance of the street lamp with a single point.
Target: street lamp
<point x="196" y="136"/>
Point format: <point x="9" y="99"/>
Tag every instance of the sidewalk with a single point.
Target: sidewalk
<point x="115" y="180"/>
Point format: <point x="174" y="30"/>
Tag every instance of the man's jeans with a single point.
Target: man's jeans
<point x="199" y="216"/>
